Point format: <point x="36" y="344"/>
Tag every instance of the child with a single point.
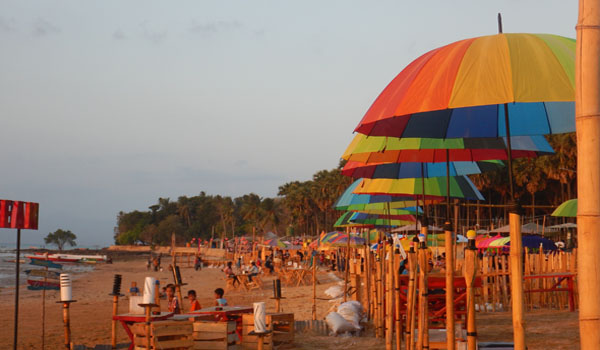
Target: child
<point x="134" y="290"/>
<point x="219" y="300"/>
<point x="194" y="304"/>
<point x="172" y="301"/>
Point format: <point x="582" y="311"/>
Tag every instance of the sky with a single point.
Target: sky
<point x="105" y="106"/>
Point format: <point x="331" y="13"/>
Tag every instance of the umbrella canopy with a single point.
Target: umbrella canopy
<point x="342" y="240"/>
<point x="533" y="242"/>
<point x="563" y="226"/>
<point x="356" y="219"/>
<point x="344" y="221"/>
<point x="460" y="90"/>
<point x="414" y="227"/>
<point x="567" y="209"/>
<point x="379" y="149"/>
<point x="416" y="170"/>
<point x="365" y="202"/>
<point x="460" y="187"/>
<point x="275" y="242"/>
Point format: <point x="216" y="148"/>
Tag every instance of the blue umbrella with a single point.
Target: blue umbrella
<point x="418" y="170"/>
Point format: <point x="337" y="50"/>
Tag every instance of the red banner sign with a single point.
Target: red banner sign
<point x="18" y="214"/>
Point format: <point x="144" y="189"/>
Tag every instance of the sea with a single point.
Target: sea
<point x="7" y="265"/>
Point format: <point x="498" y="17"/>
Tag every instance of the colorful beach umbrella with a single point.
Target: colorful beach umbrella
<point x="342" y="240"/>
<point x="365" y="202"/>
<point x="435" y="187"/>
<point x="417" y="170"/>
<point x="275" y="242"/>
<point x="567" y="209"/>
<point x="379" y="149"/>
<point x="461" y="90"/>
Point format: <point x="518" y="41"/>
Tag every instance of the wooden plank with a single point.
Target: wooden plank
<point x="173" y="344"/>
<point x="173" y="330"/>
<point x="205" y="326"/>
<point x="209" y="335"/>
<point x="210" y="345"/>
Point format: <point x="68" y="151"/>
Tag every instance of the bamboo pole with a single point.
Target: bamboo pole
<point x="389" y="300"/>
<point x="368" y="272"/>
<point x="516" y="281"/>
<point x="347" y="265"/>
<point x="587" y="119"/>
<point x="470" y="274"/>
<point x="314" y="290"/>
<point x="449" y="243"/>
<point x="423" y="340"/>
<point x="397" y="302"/>
<point x="411" y="302"/>
<point x="113" y="333"/>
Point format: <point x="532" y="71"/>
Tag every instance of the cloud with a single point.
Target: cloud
<point x="119" y="35"/>
<point x="213" y="27"/>
<point x="41" y="27"/>
<point x="7" y="24"/>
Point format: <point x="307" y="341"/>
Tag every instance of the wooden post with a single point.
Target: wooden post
<point x="157" y="296"/>
<point x="423" y="340"/>
<point x="449" y="245"/>
<point x="368" y="272"/>
<point x="347" y="265"/>
<point x="389" y="300"/>
<point x="113" y="338"/>
<point x="587" y="119"/>
<point x="67" y="322"/>
<point x="314" y="290"/>
<point x="470" y="274"/>
<point x="411" y="300"/>
<point x="516" y="280"/>
<point x="397" y="302"/>
<point x="148" y="324"/>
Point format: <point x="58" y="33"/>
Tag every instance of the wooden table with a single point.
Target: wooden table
<point x="128" y="319"/>
<point x="224" y="314"/>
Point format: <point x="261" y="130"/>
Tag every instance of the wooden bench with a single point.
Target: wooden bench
<point x="173" y="335"/>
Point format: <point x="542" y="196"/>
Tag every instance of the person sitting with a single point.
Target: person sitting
<point x="134" y="290"/>
<point x="219" y="300"/>
<point x="269" y="265"/>
<point x="229" y="273"/>
<point x="252" y="271"/>
<point x="172" y="302"/>
<point x="194" y="304"/>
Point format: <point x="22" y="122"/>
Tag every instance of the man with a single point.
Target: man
<point x="253" y="271"/>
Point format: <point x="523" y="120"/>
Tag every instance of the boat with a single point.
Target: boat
<point x="68" y="257"/>
<point x="54" y="258"/>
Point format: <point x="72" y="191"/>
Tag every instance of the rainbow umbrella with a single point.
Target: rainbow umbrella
<point x="275" y="242"/>
<point x="460" y="187"/>
<point x="342" y="240"/>
<point x="355" y="220"/>
<point x="462" y="90"/>
<point x="416" y="170"/>
<point x="378" y="149"/>
<point x="485" y="242"/>
<point x="567" y="209"/>
<point x="365" y="202"/>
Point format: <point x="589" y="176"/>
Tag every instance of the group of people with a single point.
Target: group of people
<point x="173" y="304"/>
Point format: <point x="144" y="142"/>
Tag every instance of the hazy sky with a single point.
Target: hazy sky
<point x="107" y="105"/>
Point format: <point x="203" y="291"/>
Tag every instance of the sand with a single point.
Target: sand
<point x="91" y="314"/>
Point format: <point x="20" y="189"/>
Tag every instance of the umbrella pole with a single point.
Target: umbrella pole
<point x="18" y="256"/>
<point x="587" y="112"/>
<point x="470" y="274"/>
<point x="516" y="257"/>
<point x="410" y="305"/>
<point x="449" y="248"/>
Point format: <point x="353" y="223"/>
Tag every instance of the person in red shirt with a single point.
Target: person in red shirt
<point x="194" y="304"/>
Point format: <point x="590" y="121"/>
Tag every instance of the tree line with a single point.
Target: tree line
<point x="305" y="207"/>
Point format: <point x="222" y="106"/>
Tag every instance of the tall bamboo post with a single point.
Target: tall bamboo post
<point x="470" y="269"/>
<point x="397" y="302"/>
<point x="67" y="324"/>
<point x="347" y="265"/>
<point x="587" y="119"/>
<point x="516" y="280"/>
<point x="314" y="290"/>
<point x="423" y="340"/>
<point x="368" y="271"/>
<point x="389" y="300"/>
<point x="411" y="300"/>
<point x="449" y="245"/>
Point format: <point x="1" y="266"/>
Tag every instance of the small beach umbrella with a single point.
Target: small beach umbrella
<point x="435" y="187"/>
<point x="567" y="209"/>
<point x="366" y="202"/>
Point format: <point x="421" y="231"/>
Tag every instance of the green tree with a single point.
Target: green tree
<point x="60" y="238"/>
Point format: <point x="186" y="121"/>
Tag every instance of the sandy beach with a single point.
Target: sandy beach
<point x="91" y="314"/>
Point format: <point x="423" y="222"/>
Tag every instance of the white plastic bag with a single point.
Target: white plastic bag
<point x="334" y="292"/>
<point x="338" y="324"/>
<point x="352" y="312"/>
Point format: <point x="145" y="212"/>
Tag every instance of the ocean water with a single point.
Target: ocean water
<point x="7" y="268"/>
